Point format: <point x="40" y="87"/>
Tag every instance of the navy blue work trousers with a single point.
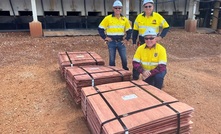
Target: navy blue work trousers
<point x="114" y="46"/>
<point x="156" y="80"/>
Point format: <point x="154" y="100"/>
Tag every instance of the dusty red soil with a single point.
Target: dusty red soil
<point x="34" y="98"/>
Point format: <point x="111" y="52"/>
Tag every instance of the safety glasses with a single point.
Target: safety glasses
<point x="148" y="6"/>
<point x="151" y="38"/>
<point x="119" y="8"/>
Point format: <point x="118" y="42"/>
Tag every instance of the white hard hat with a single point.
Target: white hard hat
<point x="150" y="31"/>
<point x="147" y="1"/>
<point x="117" y="3"/>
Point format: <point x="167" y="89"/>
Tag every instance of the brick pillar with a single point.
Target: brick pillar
<point x="35" y="29"/>
<point x="191" y="25"/>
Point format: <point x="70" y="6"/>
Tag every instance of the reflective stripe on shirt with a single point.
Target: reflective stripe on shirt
<point x="115" y="26"/>
<point x="155" y="21"/>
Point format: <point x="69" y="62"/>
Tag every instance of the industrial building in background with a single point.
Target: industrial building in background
<point x="87" y="14"/>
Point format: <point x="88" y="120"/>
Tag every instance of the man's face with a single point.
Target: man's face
<point x="150" y="40"/>
<point x="148" y="8"/>
<point x="117" y="10"/>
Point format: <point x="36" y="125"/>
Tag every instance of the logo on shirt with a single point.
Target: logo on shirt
<point x="154" y="22"/>
<point x="155" y="54"/>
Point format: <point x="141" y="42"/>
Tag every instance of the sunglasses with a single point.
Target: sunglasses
<point x="119" y="8"/>
<point x="151" y="38"/>
<point x="147" y="6"/>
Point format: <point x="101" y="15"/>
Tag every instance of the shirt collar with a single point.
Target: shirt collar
<point x="144" y="14"/>
<point x="114" y="15"/>
<point x="146" y="47"/>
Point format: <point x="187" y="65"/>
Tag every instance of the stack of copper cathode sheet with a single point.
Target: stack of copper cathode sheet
<point x="134" y="107"/>
<point x="92" y="75"/>
<point x="79" y="58"/>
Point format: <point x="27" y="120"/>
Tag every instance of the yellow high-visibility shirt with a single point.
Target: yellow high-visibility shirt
<point x="149" y="58"/>
<point x="115" y="26"/>
<point x="155" y="21"/>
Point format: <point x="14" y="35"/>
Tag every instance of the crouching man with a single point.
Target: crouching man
<point x="150" y="59"/>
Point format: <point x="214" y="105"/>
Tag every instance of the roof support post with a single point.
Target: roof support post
<point x="191" y="23"/>
<point x="35" y="26"/>
<point x="34" y="10"/>
<point x="215" y="15"/>
<point x="126" y="8"/>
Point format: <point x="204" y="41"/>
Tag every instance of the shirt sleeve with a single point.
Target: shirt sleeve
<point x="164" y="23"/>
<point x="137" y="59"/>
<point x="102" y="27"/>
<point x="101" y="33"/>
<point x="104" y="23"/>
<point x="137" y="66"/>
<point x="127" y="25"/>
<point x="162" y="63"/>
<point x="128" y="30"/>
<point x="164" y="32"/>
<point x="134" y="36"/>
<point x="136" y="26"/>
<point x="158" y="69"/>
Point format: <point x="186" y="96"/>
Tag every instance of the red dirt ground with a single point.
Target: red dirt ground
<point x="34" y="98"/>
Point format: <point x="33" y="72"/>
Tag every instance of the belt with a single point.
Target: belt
<point x="117" y="40"/>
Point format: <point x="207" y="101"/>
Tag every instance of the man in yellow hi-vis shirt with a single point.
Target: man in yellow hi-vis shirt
<point x="148" y="19"/>
<point x="115" y="26"/>
<point x="150" y="59"/>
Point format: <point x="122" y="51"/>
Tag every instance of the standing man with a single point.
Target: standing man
<point x="148" y="19"/>
<point x="115" y="26"/>
<point x="150" y="59"/>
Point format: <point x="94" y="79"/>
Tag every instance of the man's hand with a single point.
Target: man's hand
<point x="108" y="39"/>
<point x="146" y="74"/>
<point x="125" y="42"/>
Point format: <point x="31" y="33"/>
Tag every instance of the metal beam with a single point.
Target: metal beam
<point x="34" y="10"/>
<point x="85" y="10"/>
<point x="156" y="5"/>
<point x="185" y="7"/>
<point x="140" y="4"/>
<point x="42" y="5"/>
<point x="12" y="8"/>
<point x="105" y="8"/>
<point x="62" y="7"/>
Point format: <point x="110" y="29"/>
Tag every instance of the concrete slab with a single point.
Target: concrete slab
<point x="205" y="30"/>
<point x="72" y="32"/>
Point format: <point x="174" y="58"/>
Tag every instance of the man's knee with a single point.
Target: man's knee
<point x="158" y="80"/>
